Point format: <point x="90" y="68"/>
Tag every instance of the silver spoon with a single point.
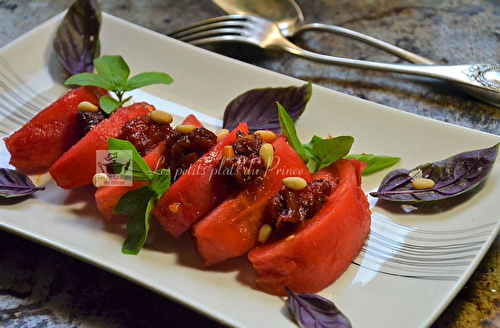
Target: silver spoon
<point x="288" y="16"/>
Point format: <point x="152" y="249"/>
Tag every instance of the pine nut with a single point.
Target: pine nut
<point x="174" y="208"/>
<point x="185" y="128"/>
<point x="267" y="154"/>
<point x="86" y="106"/>
<point x="228" y="152"/>
<point x="265" y="233"/>
<point x="221" y="134"/>
<point x="295" y="183"/>
<point x="422" y="183"/>
<point x="161" y="117"/>
<point x="100" y="179"/>
<point x="267" y="136"/>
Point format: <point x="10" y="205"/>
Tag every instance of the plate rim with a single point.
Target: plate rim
<point x="178" y="298"/>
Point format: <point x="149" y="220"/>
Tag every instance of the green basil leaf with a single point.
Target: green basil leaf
<point x="76" y="42"/>
<point x="145" y="79"/>
<point x="89" y="79"/>
<point x="314" y="139"/>
<point x="108" y="104"/>
<point x="134" y="201"/>
<point x="112" y="75"/>
<point x="288" y="128"/>
<point x="327" y="151"/>
<point x="140" y="170"/>
<point x="138" y="228"/>
<point x="125" y="100"/>
<point x="452" y="176"/>
<point x="374" y="163"/>
<point x="15" y="184"/>
<point x="161" y="181"/>
<point x="114" y="69"/>
<point x="257" y="107"/>
<point x="309" y="146"/>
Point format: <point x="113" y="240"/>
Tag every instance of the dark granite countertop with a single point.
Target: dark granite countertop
<point x="40" y="287"/>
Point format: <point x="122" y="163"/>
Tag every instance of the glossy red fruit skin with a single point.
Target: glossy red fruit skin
<point x="40" y="142"/>
<point x="232" y="228"/>
<point x="197" y="192"/>
<point x="108" y="196"/>
<point x="324" y="247"/>
<point x="77" y="166"/>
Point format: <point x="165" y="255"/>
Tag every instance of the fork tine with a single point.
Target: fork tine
<point x="222" y="21"/>
<point x="210" y="33"/>
<point x="234" y="28"/>
<point x="220" y="39"/>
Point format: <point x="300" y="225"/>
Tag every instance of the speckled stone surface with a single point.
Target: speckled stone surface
<point x="43" y="288"/>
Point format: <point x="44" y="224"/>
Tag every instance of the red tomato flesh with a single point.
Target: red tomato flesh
<point x="232" y="228"/>
<point x="323" y="248"/>
<point x="192" y="120"/>
<point x="77" y="166"/>
<point x="197" y="192"/>
<point x="108" y="196"/>
<point x="41" y="141"/>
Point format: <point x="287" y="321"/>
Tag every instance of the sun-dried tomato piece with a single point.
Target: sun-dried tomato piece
<point x="247" y="144"/>
<point x="188" y="148"/>
<point x="87" y="120"/>
<point x="145" y="134"/>
<point x="244" y="164"/>
<point x="244" y="169"/>
<point x="290" y="207"/>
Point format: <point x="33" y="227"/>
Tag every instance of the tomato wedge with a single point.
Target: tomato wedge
<point x="232" y="228"/>
<point x="108" y="196"/>
<point x="77" y="166"/>
<point x="192" y="120"/>
<point x="321" y="249"/>
<point x="196" y="192"/>
<point x="40" y="142"/>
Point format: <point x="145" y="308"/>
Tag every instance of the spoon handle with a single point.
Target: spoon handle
<point x="399" y="52"/>
<point x="479" y="80"/>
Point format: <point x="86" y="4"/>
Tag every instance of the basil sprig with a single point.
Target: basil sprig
<point x="288" y="130"/>
<point x="374" y="163"/>
<point x="320" y="152"/>
<point x="138" y="203"/>
<point x="113" y="75"/>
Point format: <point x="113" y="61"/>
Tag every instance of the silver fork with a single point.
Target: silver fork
<point x="479" y="80"/>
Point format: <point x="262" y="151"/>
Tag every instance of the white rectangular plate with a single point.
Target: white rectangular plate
<point x="411" y="267"/>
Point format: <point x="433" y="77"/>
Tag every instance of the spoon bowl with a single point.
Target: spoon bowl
<point x="286" y="14"/>
<point x="289" y="18"/>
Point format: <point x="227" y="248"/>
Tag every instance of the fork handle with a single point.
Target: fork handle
<point x="479" y="80"/>
<point x="399" y="52"/>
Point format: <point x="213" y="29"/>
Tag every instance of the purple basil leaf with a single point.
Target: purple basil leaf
<point x="258" y="107"/>
<point x="76" y="42"/>
<point x="15" y="184"/>
<point x="452" y="176"/>
<point x="314" y="311"/>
